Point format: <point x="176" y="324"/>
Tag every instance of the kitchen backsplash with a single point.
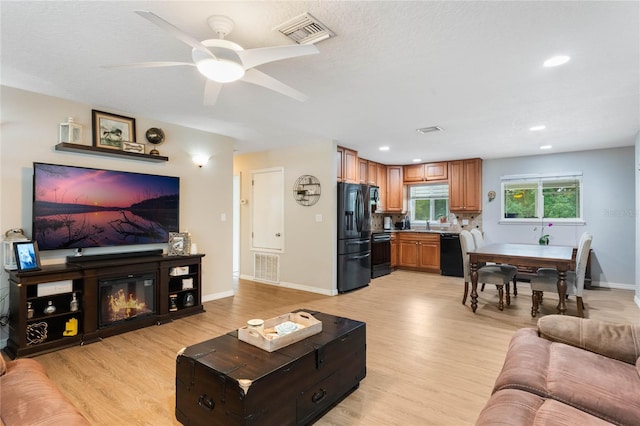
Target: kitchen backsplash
<point x="475" y="221"/>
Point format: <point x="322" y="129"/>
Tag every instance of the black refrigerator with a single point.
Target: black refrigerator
<point x="354" y="236"/>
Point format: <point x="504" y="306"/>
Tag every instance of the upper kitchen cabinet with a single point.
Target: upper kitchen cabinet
<point x="372" y="173"/>
<point x="425" y="172"/>
<point x="347" y="162"/>
<point x="465" y="185"/>
<point x="394" y="189"/>
<point x="363" y="170"/>
<point x="381" y="171"/>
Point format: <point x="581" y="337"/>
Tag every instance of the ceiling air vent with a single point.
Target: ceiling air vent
<point x="305" y="29"/>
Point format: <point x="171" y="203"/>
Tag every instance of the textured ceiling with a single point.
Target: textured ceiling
<point x="473" y="68"/>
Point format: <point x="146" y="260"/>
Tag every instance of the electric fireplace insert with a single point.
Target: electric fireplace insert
<point x="126" y="298"/>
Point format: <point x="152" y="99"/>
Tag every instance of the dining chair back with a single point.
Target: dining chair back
<point x="491" y="274"/>
<point x="546" y="279"/>
<point x="478" y="239"/>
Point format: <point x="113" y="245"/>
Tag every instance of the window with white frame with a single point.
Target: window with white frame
<point x="428" y="203"/>
<point x="536" y="197"/>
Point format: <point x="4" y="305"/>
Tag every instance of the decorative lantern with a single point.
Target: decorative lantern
<point x="10" y="237"/>
<point x="70" y="132"/>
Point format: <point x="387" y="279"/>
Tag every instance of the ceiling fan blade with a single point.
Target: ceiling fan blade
<point x="175" y="31"/>
<point x="254" y="57"/>
<point x="259" y="78"/>
<point x="149" y="65"/>
<point x="211" y="92"/>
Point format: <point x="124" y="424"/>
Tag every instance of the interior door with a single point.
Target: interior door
<point x="267" y="213"/>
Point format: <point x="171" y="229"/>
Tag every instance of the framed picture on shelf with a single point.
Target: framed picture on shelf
<point x="27" y="256"/>
<point x="111" y="130"/>
<point x="179" y="244"/>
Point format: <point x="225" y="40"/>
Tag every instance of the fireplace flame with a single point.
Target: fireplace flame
<point x="121" y="307"/>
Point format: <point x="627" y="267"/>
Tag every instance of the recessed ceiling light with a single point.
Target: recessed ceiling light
<point x="545" y="146"/>
<point x="537" y="128"/>
<point x="417" y="160"/>
<point x="429" y="129"/>
<point x="556" y="60"/>
<point x="384" y="148"/>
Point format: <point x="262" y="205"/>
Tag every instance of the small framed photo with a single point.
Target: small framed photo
<point x="111" y="130"/>
<point x="27" y="256"/>
<point x="133" y="147"/>
<point x="179" y="244"/>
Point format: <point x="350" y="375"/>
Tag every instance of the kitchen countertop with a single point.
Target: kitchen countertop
<point x="419" y="231"/>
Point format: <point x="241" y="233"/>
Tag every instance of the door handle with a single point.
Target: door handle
<point x="277" y="234"/>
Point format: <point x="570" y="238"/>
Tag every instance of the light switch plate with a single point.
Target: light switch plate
<point x="319" y="217"/>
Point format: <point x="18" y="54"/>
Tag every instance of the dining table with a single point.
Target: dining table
<point x="523" y="255"/>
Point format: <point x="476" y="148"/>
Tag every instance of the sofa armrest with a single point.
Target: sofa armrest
<point x="617" y="341"/>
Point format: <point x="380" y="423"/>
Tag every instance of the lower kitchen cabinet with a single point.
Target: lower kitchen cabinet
<point x="394" y="251"/>
<point x="419" y="251"/>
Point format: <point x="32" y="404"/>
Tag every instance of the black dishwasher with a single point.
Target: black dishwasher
<point x="450" y="255"/>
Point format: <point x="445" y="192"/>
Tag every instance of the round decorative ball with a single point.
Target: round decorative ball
<point x="155" y="135"/>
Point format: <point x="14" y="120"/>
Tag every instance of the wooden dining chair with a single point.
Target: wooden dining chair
<point x="491" y="274"/>
<point x="478" y="240"/>
<point x="546" y="279"/>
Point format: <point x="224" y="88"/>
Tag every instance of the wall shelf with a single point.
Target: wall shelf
<point x="85" y="149"/>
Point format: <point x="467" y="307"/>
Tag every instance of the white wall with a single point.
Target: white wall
<point x="609" y="208"/>
<point x="309" y="258"/>
<point x="29" y="129"/>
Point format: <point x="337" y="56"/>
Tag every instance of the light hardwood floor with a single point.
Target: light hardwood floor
<point x="430" y="360"/>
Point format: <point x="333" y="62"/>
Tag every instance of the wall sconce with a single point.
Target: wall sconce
<point x="200" y="160"/>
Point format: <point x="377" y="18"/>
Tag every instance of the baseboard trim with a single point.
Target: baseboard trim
<point x="216" y="296"/>
<point x="293" y="286"/>
<point x="618" y="286"/>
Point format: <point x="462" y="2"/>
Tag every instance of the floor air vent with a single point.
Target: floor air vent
<point x="266" y="267"/>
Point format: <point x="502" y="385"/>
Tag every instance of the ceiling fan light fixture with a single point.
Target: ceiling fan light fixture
<point x="221" y="71"/>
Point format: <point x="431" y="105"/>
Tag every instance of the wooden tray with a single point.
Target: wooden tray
<point x="268" y="343"/>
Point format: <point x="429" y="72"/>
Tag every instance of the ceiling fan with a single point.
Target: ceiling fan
<point x="222" y="61"/>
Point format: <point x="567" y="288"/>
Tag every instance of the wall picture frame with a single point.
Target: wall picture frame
<point x="111" y="130"/>
<point x="27" y="256"/>
<point x="179" y="244"/>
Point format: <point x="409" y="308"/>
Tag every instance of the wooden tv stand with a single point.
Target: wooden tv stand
<point x="84" y="276"/>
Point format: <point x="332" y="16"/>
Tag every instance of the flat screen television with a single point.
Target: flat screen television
<point x="80" y="207"/>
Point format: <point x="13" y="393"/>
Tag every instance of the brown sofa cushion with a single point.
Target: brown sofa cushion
<point x="516" y="407"/>
<point x="3" y="365"/>
<point x="618" y="341"/>
<point x="29" y="397"/>
<point x="601" y="386"/>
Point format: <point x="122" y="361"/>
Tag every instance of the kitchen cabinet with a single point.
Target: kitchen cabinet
<point x="425" y="172"/>
<point x="394" y="250"/>
<point x="372" y="173"/>
<point x="363" y="168"/>
<point x="465" y="185"/>
<point x="419" y="251"/>
<point x="381" y="171"/>
<point x="394" y="189"/>
<point x="347" y="165"/>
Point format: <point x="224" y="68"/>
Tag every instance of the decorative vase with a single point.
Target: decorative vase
<point x="50" y="308"/>
<point x="544" y="240"/>
<point x="74" y="305"/>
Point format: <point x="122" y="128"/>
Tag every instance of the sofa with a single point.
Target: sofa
<point x="29" y="397"/>
<point x="570" y="371"/>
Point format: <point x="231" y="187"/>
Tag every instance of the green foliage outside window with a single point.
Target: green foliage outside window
<point x="560" y="199"/>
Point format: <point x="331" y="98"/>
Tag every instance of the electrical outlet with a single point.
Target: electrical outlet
<point x="465" y="222"/>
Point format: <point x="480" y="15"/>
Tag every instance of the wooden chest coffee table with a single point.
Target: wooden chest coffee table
<point x="294" y="385"/>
